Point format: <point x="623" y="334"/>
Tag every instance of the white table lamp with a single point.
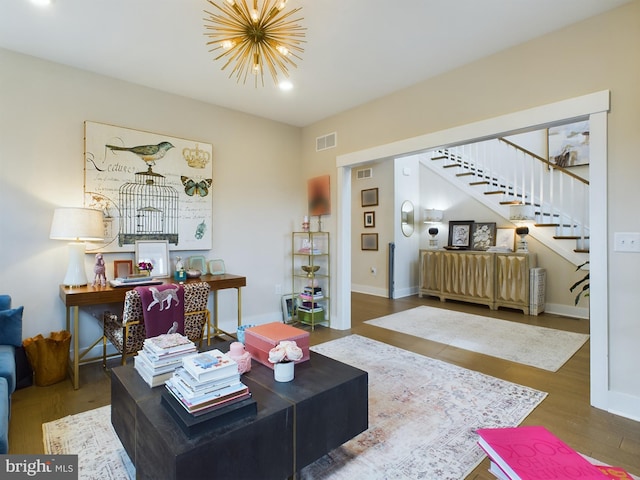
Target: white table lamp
<point x="78" y="225"/>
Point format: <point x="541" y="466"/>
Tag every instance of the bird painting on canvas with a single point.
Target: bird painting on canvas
<point x="148" y="153"/>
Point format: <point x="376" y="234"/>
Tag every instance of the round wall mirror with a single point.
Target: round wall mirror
<point x="406" y="216"/>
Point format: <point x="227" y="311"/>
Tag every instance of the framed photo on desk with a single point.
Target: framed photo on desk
<point x="155" y="252"/>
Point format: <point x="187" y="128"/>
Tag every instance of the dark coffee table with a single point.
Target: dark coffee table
<point x="296" y="423"/>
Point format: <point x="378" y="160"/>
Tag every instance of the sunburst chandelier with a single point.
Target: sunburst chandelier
<point x="255" y="38"/>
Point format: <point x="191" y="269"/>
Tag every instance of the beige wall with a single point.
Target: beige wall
<point x="257" y="194"/>
<point x="594" y="55"/>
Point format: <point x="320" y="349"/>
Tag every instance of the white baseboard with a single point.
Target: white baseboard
<point x="369" y="290"/>
<point x="625" y="405"/>
<point x="566" y="310"/>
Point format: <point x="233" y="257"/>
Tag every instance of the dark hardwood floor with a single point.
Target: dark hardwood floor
<point x="565" y="411"/>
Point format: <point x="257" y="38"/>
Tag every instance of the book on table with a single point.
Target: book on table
<point x="168" y="344"/>
<point x="225" y="396"/>
<point x="533" y="453"/>
<point x="151" y="378"/>
<point x="617" y="473"/>
<point x="205" y="370"/>
<point x="194" y="391"/>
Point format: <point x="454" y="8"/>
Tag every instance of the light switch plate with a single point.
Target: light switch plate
<point x="626" y="242"/>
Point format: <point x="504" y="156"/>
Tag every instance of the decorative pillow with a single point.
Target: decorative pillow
<point x="11" y="326"/>
<point x="5" y="302"/>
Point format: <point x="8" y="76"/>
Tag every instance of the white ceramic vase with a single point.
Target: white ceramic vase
<point x="283" y="372"/>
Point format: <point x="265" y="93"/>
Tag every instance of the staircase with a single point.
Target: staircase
<point x="499" y="174"/>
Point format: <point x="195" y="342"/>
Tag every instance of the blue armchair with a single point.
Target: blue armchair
<point x="15" y="371"/>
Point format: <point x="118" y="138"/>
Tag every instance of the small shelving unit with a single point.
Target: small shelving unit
<point x="311" y="285"/>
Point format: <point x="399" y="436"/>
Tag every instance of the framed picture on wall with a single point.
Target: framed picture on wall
<point x="369" y="241"/>
<point x="369" y="197"/>
<point x="569" y="144"/>
<point x="460" y="233"/>
<point x="369" y="219"/>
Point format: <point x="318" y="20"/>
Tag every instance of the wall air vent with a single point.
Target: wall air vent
<point x="326" y="141"/>
<point x="364" y="173"/>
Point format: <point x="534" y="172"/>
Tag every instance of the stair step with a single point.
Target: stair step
<point x="511" y="202"/>
<point x="464" y="174"/>
<point x="580" y="250"/>
<point x="495" y="192"/>
<point x="546" y="224"/>
<point x="451" y="165"/>
<point x="440" y="157"/>
<point x="569" y="237"/>
<point x="481" y="182"/>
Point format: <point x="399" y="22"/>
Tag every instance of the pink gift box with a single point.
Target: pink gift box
<point x="259" y="340"/>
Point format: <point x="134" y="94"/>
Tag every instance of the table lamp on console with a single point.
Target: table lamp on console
<point x="77" y="225"/>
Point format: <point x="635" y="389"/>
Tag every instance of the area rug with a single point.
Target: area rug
<point x="540" y="347"/>
<point x="90" y="434"/>
<point x="422" y="415"/>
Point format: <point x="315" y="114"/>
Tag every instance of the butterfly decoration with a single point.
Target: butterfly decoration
<point x="191" y="187"/>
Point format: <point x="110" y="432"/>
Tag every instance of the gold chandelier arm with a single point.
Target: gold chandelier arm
<point x="263" y="35"/>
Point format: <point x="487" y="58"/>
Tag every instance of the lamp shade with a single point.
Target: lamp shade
<point x="522" y="213"/>
<point x="77" y="224"/>
<point x="431" y="215"/>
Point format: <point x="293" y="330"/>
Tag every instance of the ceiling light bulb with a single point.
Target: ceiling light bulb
<point x="228" y="44"/>
<point x="283" y="50"/>
<point x="231" y="2"/>
<point x="285" y="85"/>
<point x="255" y="15"/>
<point x="281" y="4"/>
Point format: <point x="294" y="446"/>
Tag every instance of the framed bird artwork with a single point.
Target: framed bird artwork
<point x="149" y="186"/>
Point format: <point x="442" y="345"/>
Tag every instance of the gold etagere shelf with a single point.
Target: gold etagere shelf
<point x="311" y="278"/>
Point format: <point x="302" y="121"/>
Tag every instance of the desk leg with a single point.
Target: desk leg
<point x="75" y="366"/>
<point x="239" y="306"/>
<point x="215" y="318"/>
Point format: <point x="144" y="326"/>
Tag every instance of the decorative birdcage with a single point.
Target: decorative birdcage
<point x="148" y="209"/>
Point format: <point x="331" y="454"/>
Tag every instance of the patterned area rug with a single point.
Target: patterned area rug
<point x="101" y="456"/>
<point x="540" y="347"/>
<point x="422" y="415"/>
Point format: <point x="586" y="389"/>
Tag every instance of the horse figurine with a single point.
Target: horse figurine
<point x="99" y="270"/>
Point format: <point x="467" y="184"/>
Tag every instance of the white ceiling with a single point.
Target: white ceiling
<point x="356" y="50"/>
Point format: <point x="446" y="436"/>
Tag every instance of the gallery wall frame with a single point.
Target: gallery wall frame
<point x="149" y="186"/>
<point x="369" y="219"/>
<point x="369" y="241"/>
<point x="157" y="253"/>
<point x="369" y="197"/>
<point x="568" y="145"/>
<point x="460" y="233"/>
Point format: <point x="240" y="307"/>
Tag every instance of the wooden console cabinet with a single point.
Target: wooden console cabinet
<point x="490" y="278"/>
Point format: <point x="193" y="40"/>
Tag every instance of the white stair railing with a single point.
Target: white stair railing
<point x="502" y="173"/>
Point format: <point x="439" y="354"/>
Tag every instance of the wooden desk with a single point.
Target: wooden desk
<point x="76" y="297"/>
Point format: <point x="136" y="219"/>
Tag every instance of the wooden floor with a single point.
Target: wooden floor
<point x="565" y="411"/>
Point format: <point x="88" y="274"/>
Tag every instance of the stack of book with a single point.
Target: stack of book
<point x="308" y="299"/>
<point x="161" y="356"/>
<point x="207" y="382"/>
<point x="532" y="452"/>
